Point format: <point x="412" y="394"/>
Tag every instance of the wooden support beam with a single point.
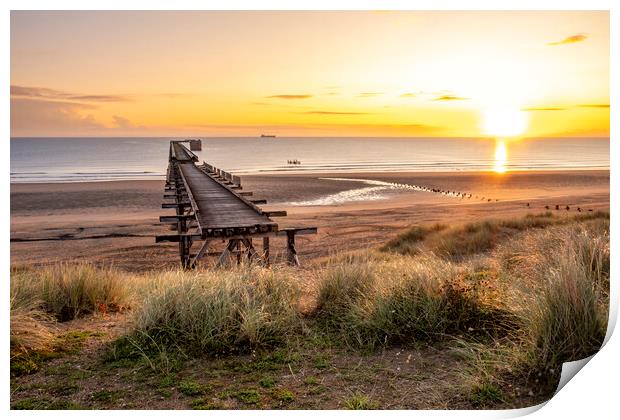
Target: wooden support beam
<point x="199" y="254"/>
<point x="174" y="219"/>
<point x="224" y="255"/>
<point x="175" y="205"/>
<point x="290" y="247"/>
<point x="266" y="250"/>
<point x="245" y="193"/>
<point x="298" y="231"/>
<point x="277" y="213"/>
<point x="175" y="238"/>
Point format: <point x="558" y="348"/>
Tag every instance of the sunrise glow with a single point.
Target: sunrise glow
<point x="213" y="73"/>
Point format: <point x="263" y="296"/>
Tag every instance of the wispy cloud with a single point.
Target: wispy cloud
<point x="319" y="112"/>
<point x="544" y="109"/>
<point x="53" y="94"/>
<point x="570" y="40"/>
<point x="296" y="96"/>
<point x="450" y="98"/>
<point x="593" y="106"/>
<point x="369" y="94"/>
<point x="408" y="95"/>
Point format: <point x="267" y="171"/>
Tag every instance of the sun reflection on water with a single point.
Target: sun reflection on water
<point x="500" y="156"/>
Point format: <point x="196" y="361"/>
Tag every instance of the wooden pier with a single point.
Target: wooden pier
<point x="211" y="206"/>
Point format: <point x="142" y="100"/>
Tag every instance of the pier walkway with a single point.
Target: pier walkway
<point x="210" y="205"/>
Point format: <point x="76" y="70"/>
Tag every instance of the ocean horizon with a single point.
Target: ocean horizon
<point x="84" y="159"/>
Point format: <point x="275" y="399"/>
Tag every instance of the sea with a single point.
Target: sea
<point x="110" y="159"/>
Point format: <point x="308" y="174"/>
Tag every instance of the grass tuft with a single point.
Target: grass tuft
<point x="217" y="312"/>
<point x="68" y="291"/>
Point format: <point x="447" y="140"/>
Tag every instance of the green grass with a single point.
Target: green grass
<point x="359" y="401"/>
<point x="284" y="396"/>
<point x="485" y="395"/>
<point x="193" y="388"/>
<point x="105" y="396"/>
<point x="267" y="382"/>
<point x="247" y="396"/>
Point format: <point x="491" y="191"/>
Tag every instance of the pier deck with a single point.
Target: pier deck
<point x="209" y="205"/>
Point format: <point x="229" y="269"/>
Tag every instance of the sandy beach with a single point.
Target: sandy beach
<point x="115" y="222"/>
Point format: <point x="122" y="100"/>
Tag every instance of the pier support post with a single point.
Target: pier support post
<point x="266" y="250"/>
<point x="290" y="246"/>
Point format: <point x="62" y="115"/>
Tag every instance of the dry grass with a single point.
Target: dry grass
<point x="68" y="291"/>
<point x="218" y="312"/>
<point x="404" y="300"/>
<point x="516" y="298"/>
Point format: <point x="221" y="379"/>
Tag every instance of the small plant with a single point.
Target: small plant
<point x="105" y="396"/>
<point x="321" y="362"/>
<point x="486" y="394"/>
<point x="192" y="388"/>
<point x="203" y="404"/>
<point x="359" y="401"/>
<point x="267" y="382"/>
<point x="248" y="396"/>
<point x="284" y="395"/>
<point x="311" y="380"/>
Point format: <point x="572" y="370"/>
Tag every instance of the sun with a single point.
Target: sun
<point x="504" y="122"/>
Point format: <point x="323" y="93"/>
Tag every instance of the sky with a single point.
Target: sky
<point x="373" y="73"/>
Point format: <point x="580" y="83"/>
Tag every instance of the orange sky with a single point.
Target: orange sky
<point x="310" y="73"/>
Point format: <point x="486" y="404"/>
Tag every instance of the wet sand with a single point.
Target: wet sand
<point x="115" y="222"/>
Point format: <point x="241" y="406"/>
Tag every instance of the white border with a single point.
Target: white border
<point x="592" y="394"/>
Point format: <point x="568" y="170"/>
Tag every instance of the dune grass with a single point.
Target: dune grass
<point x="514" y="297"/>
<point x="218" y="312"/>
<point x="568" y="320"/>
<point x="407" y="243"/>
<point x="405" y="300"/>
<point x="68" y="291"/>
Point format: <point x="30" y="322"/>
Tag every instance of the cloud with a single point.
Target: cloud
<point x="319" y="112"/>
<point x="51" y="118"/>
<point x="297" y="96"/>
<point x="570" y="40"/>
<point x="53" y="94"/>
<point x="122" y="122"/>
<point x="408" y="95"/>
<point x="593" y="106"/>
<point x="450" y="98"/>
<point x="544" y="109"/>
<point x="369" y="94"/>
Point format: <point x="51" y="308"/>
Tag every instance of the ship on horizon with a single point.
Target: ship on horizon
<point x="267" y="135"/>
